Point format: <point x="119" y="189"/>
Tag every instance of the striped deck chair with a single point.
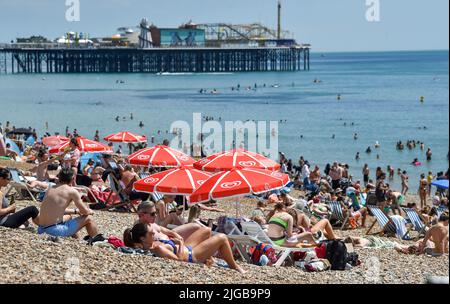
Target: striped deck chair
<point x="19" y="183"/>
<point x="395" y="225"/>
<point x="338" y="214"/>
<point x="440" y="210"/>
<point x="416" y="220"/>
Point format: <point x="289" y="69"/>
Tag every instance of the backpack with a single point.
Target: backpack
<point x="263" y="249"/>
<point x="336" y="254"/>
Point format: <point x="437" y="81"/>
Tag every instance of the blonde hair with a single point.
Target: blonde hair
<point x="194" y="213"/>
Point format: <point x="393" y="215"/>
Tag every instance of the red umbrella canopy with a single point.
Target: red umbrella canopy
<point x="239" y="182"/>
<point x="226" y="161"/>
<point x="84" y="145"/>
<point x="126" y="137"/>
<point x="160" y="156"/>
<point x="179" y="181"/>
<point x="52" y="141"/>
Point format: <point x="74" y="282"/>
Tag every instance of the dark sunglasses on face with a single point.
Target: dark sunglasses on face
<point x="150" y="213"/>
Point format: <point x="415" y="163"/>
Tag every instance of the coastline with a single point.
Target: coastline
<point x="26" y="257"/>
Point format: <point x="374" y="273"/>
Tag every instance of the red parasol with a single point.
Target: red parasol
<point x="84" y="145"/>
<point x="179" y="181"/>
<point x="160" y="156"/>
<point x="239" y="182"/>
<point x="126" y="137"/>
<point x="226" y="161"/>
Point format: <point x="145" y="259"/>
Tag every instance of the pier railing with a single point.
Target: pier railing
<point x="55" y="58"/>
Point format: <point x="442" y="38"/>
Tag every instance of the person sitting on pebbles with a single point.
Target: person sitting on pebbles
<point x="143" y="236"/>
<point x="9" y="218"/>
<point x="192" y="233"/>
<point x="281" y="230"/>
<point x="435" y="242"/>
<point x="56" y="220"/>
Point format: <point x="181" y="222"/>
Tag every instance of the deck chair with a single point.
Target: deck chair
<point x="337" y="213"/>
<point x="395" y="225"/>
<point x="243" y="243"/>
<point x="19" y="183"/>
<point x="416" y="220"/>
<point x="253" y="229"/>
<point x="440" y="210"/>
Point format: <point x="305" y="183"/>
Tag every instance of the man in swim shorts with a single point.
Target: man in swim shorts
<point x="56" y="220"/>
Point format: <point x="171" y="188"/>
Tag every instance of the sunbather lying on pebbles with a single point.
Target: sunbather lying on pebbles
<point x="143" y="236"/>
<point x="435" y="242"/>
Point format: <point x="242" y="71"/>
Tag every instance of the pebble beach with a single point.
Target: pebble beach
<point x="27" y="257"/>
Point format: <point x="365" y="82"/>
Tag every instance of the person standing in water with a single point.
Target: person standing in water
<point x="366" y="173"/>
<point x="429" y="154"/>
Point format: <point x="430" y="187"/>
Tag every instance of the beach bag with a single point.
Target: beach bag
<point x="336" y="254"/>
<point x="317" y="265"/>
<point x="353" y="259"/>
<point x="225" y="224"/>
<point x="263" y="249"/>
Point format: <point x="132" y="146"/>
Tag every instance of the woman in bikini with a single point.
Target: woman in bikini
<point x="423" y="191"/>
<point x="142" y="236"/>
<point x="281" y="230"/>
<point x="303" y="224"/>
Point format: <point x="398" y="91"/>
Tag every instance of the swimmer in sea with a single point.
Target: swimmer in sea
<point x="357" y="156"/>
<point x="141" y="124"/>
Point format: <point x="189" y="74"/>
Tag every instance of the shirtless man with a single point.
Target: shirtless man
<point x="2" y="146"/>
<point x="438" y="235"/>
<point x="56" y="220"/>
<point x="189" y="232"/>
<point x="128" y="178"/>
<point x="41" y="169"/>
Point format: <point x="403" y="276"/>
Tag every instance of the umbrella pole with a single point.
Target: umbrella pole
<point x="238" y="202"/>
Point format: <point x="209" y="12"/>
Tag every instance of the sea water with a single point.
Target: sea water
<point x="380" y="101"/>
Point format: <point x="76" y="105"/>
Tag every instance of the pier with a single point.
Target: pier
<point x="49" y="59"/>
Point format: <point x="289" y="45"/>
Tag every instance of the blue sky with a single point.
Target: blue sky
<point x="329" y="25"/>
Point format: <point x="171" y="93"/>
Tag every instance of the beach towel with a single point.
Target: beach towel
<point x="376" y="242"/>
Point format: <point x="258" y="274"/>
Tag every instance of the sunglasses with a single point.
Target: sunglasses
<point x="153" y="214"/>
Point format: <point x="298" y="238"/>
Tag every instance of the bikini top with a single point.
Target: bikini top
<point x="171" y="243"/>
<point x="280" y="222"/>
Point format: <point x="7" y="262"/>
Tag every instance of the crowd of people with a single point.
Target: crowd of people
<point x="299" y="222"/>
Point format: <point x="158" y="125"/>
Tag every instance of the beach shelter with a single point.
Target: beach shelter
<point x="52" y="141"/>
<point x="237" y="158"/>
<point x="442" y="183"/>
<point x="160" y="156"/>
<point x="179" y="181"/>
<point x="126" y="137"/>
<point x="84" y="144"/>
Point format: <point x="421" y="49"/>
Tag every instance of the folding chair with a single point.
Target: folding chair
<point x="19" y="183"/>
<point x="337" y="214"/>
<point x="416" y="220"/>
<point x="395" y="225"/>
<point x="253" y="229"/>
